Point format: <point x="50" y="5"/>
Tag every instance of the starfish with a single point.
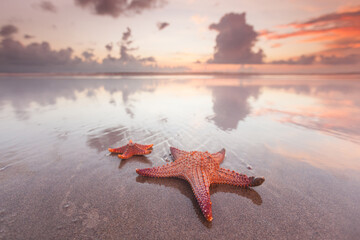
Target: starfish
<point x="131" y="149"/>
<point x="201" y="169"/>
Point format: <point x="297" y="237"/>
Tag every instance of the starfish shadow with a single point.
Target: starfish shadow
<point x="243" y="192"/>
<point x="139" y="159"/>
<point x="185" y="189"/>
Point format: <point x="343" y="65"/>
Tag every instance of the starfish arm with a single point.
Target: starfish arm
<point x="139" y="151"/>
<point x="168" y="170"/>
<point x="219" y="156"/>
<point x="177" y="153"/>
<point x="144" y="147"/>
<point x="126" y="155"/>
<point x="200" y="184"/>
<point x="225" y="176"/>
<point x="118" y="150"/>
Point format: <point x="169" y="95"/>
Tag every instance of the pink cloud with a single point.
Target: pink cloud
<point x="48" y="6"/>
<point x="338" y="29"/>
<point x="8" y="30"/>
<point x="109" y="47"/>
<point x="302" y="60"/>
<point x="276" y="45"/>
<point x="337" y="60"/>
<point x="162" y="25"/>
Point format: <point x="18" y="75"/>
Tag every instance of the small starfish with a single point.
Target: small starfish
<point x="131" y="149"/>
<point x="201" y="169"/>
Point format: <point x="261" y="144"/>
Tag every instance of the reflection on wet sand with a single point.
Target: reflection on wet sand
<point x="231" y="104"/>
<point x="300" y="132"/>
<point x="106" y="138"/>
<point x="21" y="92"/>
<point x="328" y="106"/>
<point x="338" y="113"/>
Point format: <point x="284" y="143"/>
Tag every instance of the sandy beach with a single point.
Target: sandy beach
<point x="58" y="180"/>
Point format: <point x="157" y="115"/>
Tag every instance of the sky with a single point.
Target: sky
<point x="260" y="36"/>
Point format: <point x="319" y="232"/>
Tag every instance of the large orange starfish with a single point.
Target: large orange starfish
<point x="131" y="149"/>
<point x="201" y="169"/>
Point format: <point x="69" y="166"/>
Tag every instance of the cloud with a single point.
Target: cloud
<point x="8" y="30"/>
<point x="13" y="52"/>
<point x="162" y="25"/>
<point x="276" y="45"/>
<point x="302" y="60"/>
<point x="109" y="47"/>
<point x="338" y="32"/>
<point x="116" y="8"/>
<point x="88" y="55"/>
<point x="335" y="30"/>
<point x="339" y="18"/>
<point x="338" y="60"/>
<point x="48" y="6"/>
<point x="126" y="35"/>
<point x="147" y="59"/>
<point x="320" y="59"/>
<point x="126" y="49"/>
<point x="40" y="57"/>
<point x="235" y="41"/>
<point x="27" y="36"/>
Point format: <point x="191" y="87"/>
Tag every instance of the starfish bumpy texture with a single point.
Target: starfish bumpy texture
<point x="131" y="149"/>
<point x="201" y="169"/>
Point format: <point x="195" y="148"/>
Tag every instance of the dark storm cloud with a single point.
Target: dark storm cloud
<point x="235" y="41"/>
<point x="109" y="47"/>
<point x="8" y="30"/>
<point x="27" y="36"/>
<point x="115" y="8"/>
<point x="336" y="60"/>
<point x="162" y="25"/>
<point x="48" y="6"/>
<point x="302" y="60"/>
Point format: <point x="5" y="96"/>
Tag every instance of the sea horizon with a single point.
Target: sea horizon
<point x="135" y="73"/>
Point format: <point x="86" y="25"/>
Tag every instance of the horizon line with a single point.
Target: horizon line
<point x="4" y="74"/>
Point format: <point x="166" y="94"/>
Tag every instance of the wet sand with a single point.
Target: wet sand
<point x="59" y="182"/>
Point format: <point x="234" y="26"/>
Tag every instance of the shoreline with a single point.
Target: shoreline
<point x="227" y="74"/>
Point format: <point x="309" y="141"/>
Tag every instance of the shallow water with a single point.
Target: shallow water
<point x="58" y="181"/>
